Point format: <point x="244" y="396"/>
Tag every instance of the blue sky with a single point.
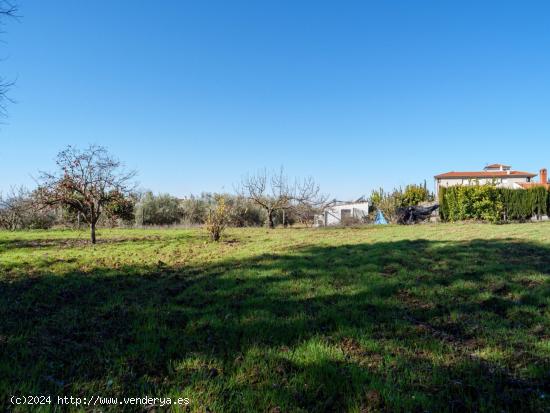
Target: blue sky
<point x="356" y="94"/>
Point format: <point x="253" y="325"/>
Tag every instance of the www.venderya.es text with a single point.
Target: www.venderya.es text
<point x="96" y="400"/>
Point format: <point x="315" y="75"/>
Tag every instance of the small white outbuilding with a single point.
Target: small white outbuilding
<point x="340" y="212"/>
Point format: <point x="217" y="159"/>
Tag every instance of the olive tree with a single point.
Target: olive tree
<point x="162" y="209"/>
<point x="87" y="181"/>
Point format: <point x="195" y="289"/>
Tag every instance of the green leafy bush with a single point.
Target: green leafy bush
<point x="517" y="205"/>
<point x="443" y="204"/>
<point x="415" y="194"/>
<point x="539" y="201"/>
<point x="389" y="202"/>
<point x="489" y="203"/>
<point x="217" y="218"/>
<point x="479" y="202"/>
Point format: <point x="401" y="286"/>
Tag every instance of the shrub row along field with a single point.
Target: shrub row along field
<point x="489" y="203"/>
<point x="433" y="318"/>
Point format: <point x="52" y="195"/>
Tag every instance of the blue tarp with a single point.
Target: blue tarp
<point x="380" y="220"/>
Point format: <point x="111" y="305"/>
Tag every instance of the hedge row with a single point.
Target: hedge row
<point x="489" y="203"/>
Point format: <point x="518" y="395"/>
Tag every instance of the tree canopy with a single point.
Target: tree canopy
<point x="90" y="182"/>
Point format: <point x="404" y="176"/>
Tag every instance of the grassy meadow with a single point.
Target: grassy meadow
<point x="428" y="318"/>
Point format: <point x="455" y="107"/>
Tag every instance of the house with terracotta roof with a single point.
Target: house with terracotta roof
<point x="497" y="174"/>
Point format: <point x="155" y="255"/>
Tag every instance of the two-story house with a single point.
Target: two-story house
<point x="497" y="174"/>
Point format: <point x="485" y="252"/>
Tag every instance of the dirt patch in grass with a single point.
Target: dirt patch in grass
<point x="355" y="352"/>
<point x="412" y="301"/>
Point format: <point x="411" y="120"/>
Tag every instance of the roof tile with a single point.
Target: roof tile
<point x="485" y="174"/>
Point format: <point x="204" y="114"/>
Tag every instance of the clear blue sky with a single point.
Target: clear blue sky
<point x="357" y="94"/>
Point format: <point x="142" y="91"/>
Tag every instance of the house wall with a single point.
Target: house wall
<point x="333" y="215"/>
<point x="459" y="181"/>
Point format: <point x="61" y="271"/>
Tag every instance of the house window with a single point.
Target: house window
<point x="345" y="213"/>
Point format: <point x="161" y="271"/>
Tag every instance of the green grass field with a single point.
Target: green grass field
<point x="418" y="318"/>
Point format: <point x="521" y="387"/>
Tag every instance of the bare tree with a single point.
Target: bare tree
<point x="7" y="9"/>
<point x="18" y="210"/>
<point x="273" y="192"/>
<point x="270" y="191"/>
<point x="87" y="181"/>
<point x="14" y="206"/>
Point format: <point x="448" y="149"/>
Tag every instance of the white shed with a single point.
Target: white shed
<point x="335" y="214"/>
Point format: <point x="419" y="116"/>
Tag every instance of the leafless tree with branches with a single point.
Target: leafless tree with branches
<point x="87" y="181"/>
<point x="273" y="192"/>
<point x="14" y="206"/>
<point x="7" y="10"/>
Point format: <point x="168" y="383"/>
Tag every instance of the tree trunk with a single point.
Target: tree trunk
<point x="92" y="232"/>
<point x="269" y="221"/>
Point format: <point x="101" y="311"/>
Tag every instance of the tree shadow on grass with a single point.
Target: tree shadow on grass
<point x="23" y="243"/>
<point x="395" y="326"/>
